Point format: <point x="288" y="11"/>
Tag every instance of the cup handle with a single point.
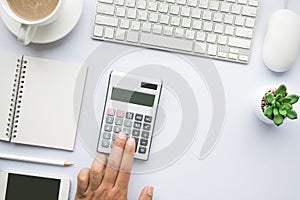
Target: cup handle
<point x="26" y="34"/>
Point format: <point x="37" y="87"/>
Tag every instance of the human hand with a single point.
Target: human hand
<point x="109" y="180"/>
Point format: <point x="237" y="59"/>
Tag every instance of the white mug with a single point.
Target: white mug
<point x="28" y="27"/>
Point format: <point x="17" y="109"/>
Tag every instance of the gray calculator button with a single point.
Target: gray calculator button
<point x="127" y="131"/>
<point x="142" y="150"/>
<point x="105" y="143"/>
<point x="128" y="123"/>
<point x="138" y="117"/>
<point x="137" y="125"/>
<point x="146" y="127"/>
<point x="135" y="132"/>
<point x="145" y="134"/>
<point x="106" y="135"/>
<point x="108" y="128"/>
<point x="148" y="119"/>
<point x="119" y="121"/>
<point x="129" y="115"/>
<point x="109" y="120"/>
<point x="144" y="142"/>
<point x="117" y="129"/>
<point x="114" y="136"/>
<point x="111" y="144"/>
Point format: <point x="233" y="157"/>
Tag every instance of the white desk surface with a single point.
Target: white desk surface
<point x="250" y="161"/>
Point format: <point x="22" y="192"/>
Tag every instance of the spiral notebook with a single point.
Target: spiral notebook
<point x="40" y="100"/>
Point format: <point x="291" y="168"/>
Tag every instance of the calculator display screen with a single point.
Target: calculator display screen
<point x="31" y="187"/>
<point x="129" y="96"/>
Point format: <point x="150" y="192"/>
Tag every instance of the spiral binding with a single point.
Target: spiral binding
<point x="16" y="100"/>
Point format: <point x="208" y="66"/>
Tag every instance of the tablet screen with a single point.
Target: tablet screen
<point x="31" y="187"/>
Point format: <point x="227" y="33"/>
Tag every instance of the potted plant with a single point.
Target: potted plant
<point x="277" y="105"/>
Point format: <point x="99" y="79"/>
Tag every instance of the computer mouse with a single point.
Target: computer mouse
<point x="282" y="40"/>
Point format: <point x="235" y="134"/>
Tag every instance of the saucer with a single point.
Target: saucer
<point x="56" y="30"/>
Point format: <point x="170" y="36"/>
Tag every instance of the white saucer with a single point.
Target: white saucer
<point x="54" y="31"/>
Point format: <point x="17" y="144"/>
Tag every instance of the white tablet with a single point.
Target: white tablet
<point x="19" y="185"/>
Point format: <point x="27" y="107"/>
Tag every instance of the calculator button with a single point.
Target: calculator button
<point x="120" y="113"/>
<point x="142" y="150"/>
<point x="137" y="125"/>
<point x="145" y="134"/>
<point x="109" y="120"/>
<point x="138" y="117"/>
<point x="110" y="111"/>
<point x="114" y="136"/>
<point x="129" y="115"/>
<point x="117" y="129"/>
<point x="127" y="131"/>
<point x="119" y="121"/>
<point x="128" y="123"/>
<point x="106" y="135"/>
<point x="144" y="142"/>
<point x="148" y="119"/>
<point x="146" y="127"/>
<point x="105" y="143"/>
<point x="136" y="132"/>
<point x="111" y="144"/>
<point x="136" y="142"/>
<point x="108" y="128"/>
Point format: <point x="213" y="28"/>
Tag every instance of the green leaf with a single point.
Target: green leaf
<point x="268" y="111"/>
<point x="281" y="90"/>
<point x="286" y="100"/>
<point x="278" y="105"/>
<point x="292" y="114"/>
<point x="294" y="98"/>
<point x="269" y="98"/>
<point x="287" y="106"/>
<point x="278" y="97"/>
<point x="278" y="120"/>
<point x="275" y="111"/>
<point x="282" y="112"/>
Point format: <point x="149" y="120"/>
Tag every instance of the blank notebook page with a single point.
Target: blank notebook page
<point x="46" y="115"/>
<point x="7" y="76"/>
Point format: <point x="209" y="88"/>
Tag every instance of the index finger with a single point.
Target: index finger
<point x="126" y="164"/>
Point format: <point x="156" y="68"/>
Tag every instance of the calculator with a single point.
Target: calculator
<point x="130" y="107"/>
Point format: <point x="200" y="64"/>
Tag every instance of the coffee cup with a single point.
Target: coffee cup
<point x="31" y="14"/>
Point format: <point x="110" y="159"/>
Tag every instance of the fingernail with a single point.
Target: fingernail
<point x="150" y="190"/>
<point x="130" y="141"/>
<point x="122" y="136"/>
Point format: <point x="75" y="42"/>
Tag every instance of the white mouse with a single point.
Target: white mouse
<point x="282" y="40"/>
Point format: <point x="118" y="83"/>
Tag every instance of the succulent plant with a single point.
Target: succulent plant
<point x="278" y="104"/>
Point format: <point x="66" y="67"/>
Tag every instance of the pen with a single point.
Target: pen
<point x="34" y="160"/>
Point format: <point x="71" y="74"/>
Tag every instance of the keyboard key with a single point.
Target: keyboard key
<point x="98" y="31"/>
<point x="142" y="150"/>
<point x="130" y="3"/>
<point x="137" y="125"/>
<point x="129" y="115"/>
<point x="136" y="142"/>
<point x="225" y="7"/>
<point x="141" y="4"/>
<point x="175" y="21"/>
<point x="232" y="56"/>
<point x="200" y="36"/>
<point x="119" y="121"/>
<point x="109" y="32"/>
<point x="168" y="30"/>
<point x="120" y="34"/>
<point x="239" y="21"/>
<point x="114" y="135"/>
<point x="241" y="43"/>
<point x="136" y="132"/>
<point x="119" y="2"/>
<point x="107" y="128"/>
<point x="145" y="134"/>
<point x="143" y="142"/>
<point x="174" y="9"/>
<point x="200" y="47"/>
<point x="124" y="23"/>
<point x="250" y="22"/>
<point x="106" y="1"/>
<point x="152" y="6"/>
<point x="106" y="135"/>
<point x="211" y="38"/>
<point x="244" y="32"/>
<point x="106" y="9"/>
<point x="236" y="9"/>
<point x="106" y="20"/>
<point x="203" y="4"/>
<point x="214" y="5"/>
<point x="172" y="43"/>
<point x="121" y="12"/>
<point x="212" y="50"/>
<point x="196" y="13"/>
<point x="244" y="58"/>
<point x="148" y="119"/>
<point x="249" y="11"/>
<point x="105" y="143"/>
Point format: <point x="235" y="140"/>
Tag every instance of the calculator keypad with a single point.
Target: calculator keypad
<point x="133" y="124"/>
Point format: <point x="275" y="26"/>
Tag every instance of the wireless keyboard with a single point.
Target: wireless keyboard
<point x="221" y="29"/>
